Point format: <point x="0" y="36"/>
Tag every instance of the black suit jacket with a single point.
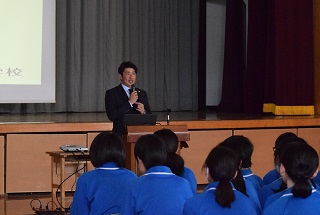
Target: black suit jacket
<point x="117" y="104"/>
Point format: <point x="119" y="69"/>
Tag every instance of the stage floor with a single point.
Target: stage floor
<point x="195" y="120"/>
<point x="161" y="116"/>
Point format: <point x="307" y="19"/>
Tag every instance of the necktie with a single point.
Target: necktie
<point x="129" y="93"/>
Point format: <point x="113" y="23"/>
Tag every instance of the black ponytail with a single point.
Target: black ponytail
<point x="302" y="188"/>
<point x="175" y="163"/>
<point x="224" y="194"/>
<point x="239" y="184"/>
<point x="238" y="181"/>
<point x="222" y="166"/>
<point x="300" y="162"/>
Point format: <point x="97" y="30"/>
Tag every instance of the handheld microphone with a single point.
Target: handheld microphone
<point x="133" y="88"/>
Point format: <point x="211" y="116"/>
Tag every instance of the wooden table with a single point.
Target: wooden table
<point x="59" y="161"/>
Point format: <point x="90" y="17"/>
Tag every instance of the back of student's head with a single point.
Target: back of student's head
<point x="245" y="147"/>
<point x="151" y="150"/>
<point x="282" y="138"/>
<point x="222" y="167"/>
<point x="238" y="181"/>
<point x="300" y="163"/>
<point x="281" y="145"/>
<point x="287" y="143"/>
<point x="107" y="147"/>
<point x="282" y="148"/>
<point x="171" y="141"/>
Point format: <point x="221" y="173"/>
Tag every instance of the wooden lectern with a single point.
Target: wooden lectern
<point x="134" y="132"/>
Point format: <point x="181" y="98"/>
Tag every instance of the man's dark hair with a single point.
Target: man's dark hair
<point x="127" y="64"/>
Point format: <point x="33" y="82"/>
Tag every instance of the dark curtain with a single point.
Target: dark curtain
<point x="279" y="62"/>
<point x="290" y="53"/>
<point x="235" y="58"/>
<point x="254" y="80"/>
<point x="202" y="55"/>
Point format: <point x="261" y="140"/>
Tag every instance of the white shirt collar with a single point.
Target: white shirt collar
<point x="126" y="89"/>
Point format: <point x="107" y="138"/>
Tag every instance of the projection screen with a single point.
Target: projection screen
<point x="27" y="51"/>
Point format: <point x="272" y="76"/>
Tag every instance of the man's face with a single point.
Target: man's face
<point x="128" y="78"/>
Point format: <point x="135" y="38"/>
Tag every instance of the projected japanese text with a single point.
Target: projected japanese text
<point x="10" y="72"/>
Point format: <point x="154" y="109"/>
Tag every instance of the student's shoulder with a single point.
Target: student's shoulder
<point x="200" y="197"/>
<point x="188" y="170"/>
<point x="88" y="177"/>
<point x="135" y="183"/>
<point x="270" y="176"/>
<point x="193" y="204"/>
<point x="179" y="181"/>
<point x="294" y="205"/>
<point x="85" y="176"/>
<point x="244" y="201"/>
<point x="258" y="178"/>
<point x="274" y="208"/>
<point x="127" y="173"/>
<point x="91" y="173"/>
<point x="273" y="198"/>
<point x="267" y="187"/>
<point x="188" y="173"/>
<point x="240" y="195"/>
<point x="249" y="183"/>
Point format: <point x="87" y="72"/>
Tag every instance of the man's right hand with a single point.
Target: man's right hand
<point x="133" y="97"/>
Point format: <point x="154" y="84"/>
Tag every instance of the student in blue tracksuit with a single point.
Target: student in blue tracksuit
<point x="220" y="197"/>
<point x="279" y="185"/>
<point x="245" y="147"/>
<point x="157" y="190"/>
<point x="269" y="190"/>
<point x="175" y="161"/>
<point x="298" y="165"/>
<point x="249" y="188"/>
<point x="101" y="191"/>
<point x="273" y="175"/>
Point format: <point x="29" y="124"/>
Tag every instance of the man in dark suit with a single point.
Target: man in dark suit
<point x="125" y="98"/>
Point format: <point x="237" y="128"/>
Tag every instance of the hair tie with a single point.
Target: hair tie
<point x="301" y="177"/>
